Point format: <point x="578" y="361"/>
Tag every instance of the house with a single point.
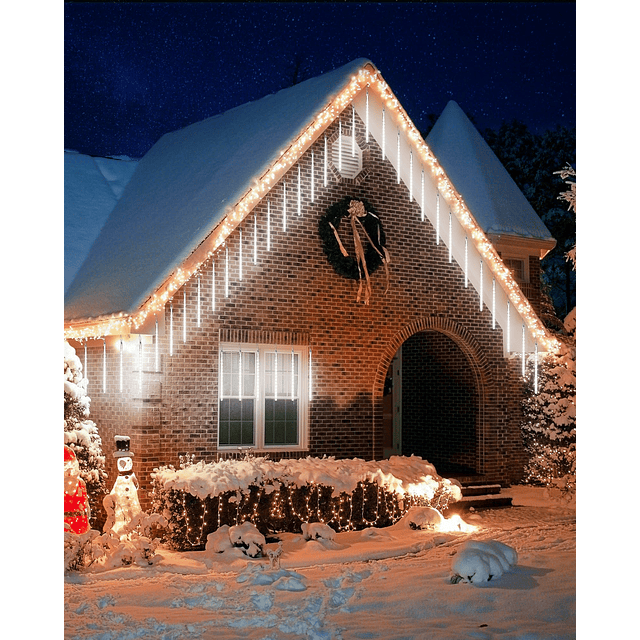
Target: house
<point x="216" y="312"/>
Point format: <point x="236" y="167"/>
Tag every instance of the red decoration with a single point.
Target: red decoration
<point x="76" y="503"/>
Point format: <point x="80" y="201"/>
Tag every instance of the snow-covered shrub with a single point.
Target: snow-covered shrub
<point x="248" y="538"/>
<point x="280" y="496"/>
<point x="317" y="530"/>
<point x="81" y="434"/>
<point x="549" y="426"/>
<point x="482" y="561"/>
<point x="424" y="518"/>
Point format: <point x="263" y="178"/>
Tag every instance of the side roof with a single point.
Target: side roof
<point x="183" y="187"/>
<point x="497" y="203"/>
<point x="92" y="188"/>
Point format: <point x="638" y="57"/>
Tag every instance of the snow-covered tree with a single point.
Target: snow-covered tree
<point x="549" y="426"/>
<point x="81" y="434"/>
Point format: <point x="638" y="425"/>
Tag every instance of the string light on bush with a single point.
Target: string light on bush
<point x="535" y="368"/>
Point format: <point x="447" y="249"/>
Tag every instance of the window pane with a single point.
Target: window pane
<point x="281" y="421"/>
<point x="236" y="422"/>
<point x="278" y="377"/>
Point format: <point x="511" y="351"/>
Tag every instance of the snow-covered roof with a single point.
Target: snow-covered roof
<point x="497" y="203"/>
<point x="183" y="187"/>
<point x="92" y="187"/>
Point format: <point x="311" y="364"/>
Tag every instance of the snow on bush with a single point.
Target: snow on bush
<point x="281" y="495"/>
<point x="248" y="538"/>
<point x="317" y="530"/>
<point x="482" y="561"/>
<point x="424" y="518"/>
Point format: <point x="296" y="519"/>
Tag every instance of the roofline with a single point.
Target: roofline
<point x="367" y="76"/>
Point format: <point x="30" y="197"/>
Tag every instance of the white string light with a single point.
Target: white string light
<point x="213" y="285"/>
<point x="410" y="175"/>
<point x="398" y="158"/>
<point x="493" y="303"/>
<point x="481" y="284"/>
<point x="384" y="136"/>
<point x="508" y="326"/>
<point x="121" y="365"/>
<point x="104" y="366"/>
<point x="523" y="350"/>
<point x="353" y="131"/>
<point x="240" y="374"/>
<point x="340" y="146"/>
<point x="86" y="369"/>
<point x="450" y="238"/>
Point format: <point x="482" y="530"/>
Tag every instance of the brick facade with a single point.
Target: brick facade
<point x="293" y="296"/>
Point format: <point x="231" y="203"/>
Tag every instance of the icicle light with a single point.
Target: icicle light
<point x="422" y="194"/>
<point x="255" y="238"/>
<point x="157" y="346"/>
<point x="410" y="175"/>
<point x="466" y="262"/>
<point x="353" y="131"/>
<point x="121" y="344"/>
<point x="508" y="326"/>
<point x="240" y="374"/>
<point x="524" y="355"/>
<point x="104" y="366"/>
<point x="240" y="256"/>
<point x="438" y="218"/>
<point x="140" y="363"/>
<point x="366" y="77"/>
<point x="275" y="377"/>
<point x="86" y="369"/>
<point x="481" y="284"/>
<point x="398" y="159"/>
<point x="171" y="328"/>
<point x="326" y="161"/>
<point x="184" y="315"/>
<point x="299" y="191"/>
<point x="535" y="368"/>
<point x="450" y="238"/>
<point x="213" y="285"/>
<point x="269" y="225"/>
<point x="292" y="373"/>
<point x="199" y="317"/>
<point x="313" y="178"/>
<point x="284" y="206"/>
<point x="366" y="118"/>
<point x="493" y="303"/>
<point x="226" y="272"/>
<point x="310" y="378"/>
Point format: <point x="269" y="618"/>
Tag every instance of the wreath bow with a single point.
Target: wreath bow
<point x="356" y="213"/>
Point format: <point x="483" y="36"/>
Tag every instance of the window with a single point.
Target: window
<point x="346" y="156"/>
<point x="263" y="396"/>
<point x="516" y="267"/>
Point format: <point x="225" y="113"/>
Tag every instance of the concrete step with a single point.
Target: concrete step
<point x="479" y="496"/>
<point x="480" y="489"/>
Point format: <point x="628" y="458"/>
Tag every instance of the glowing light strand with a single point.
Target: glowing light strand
<point x="422" y="195"/>
<point x="269" y="224"/>
<point x="353" y="131"/>
<point x="481" y="296"/>
<point x="140" y="363"/>
<point x="450" y="238"/>
<point x="157" y="346"/>
<point x="325" y="161"/>
<point x="410" y="175"/>
<point x="255" y="238"/>
<point x="313" y="178"/>
<point x="121" y="343"/>
<point x="213" y="286"/>
<point x="366" y="118"/>
<point x="466" y="262"/>
<point x="398" y="158"/>
<point x="171" y="328"/>
<point x="299" y="192"/>
<point x="535" y="368"/>
<point x="199" y="307"/>
<point x="340" y="146"/>
<point x="104" y="366"/>
<point x="524" y="336"/>
<point x="493" y="303"/>
<point x="284" y="206"/>
<point x="226" y="272"/>
<point x="184" y="315"/>
<point x="438" y="218"/>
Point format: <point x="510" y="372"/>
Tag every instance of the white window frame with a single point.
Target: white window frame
<point x="259" y="445"/>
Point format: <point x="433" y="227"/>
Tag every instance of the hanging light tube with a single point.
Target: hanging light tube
<point x="157" y="347"/>
<point x="398" y="158"/>
<point x="340" y="145"/>
<point x="410" y="175"/>
<point x="523" y="351"/>
<point x="422" y="195"/>
<point x="199" y="305"/>
<point x="255" y="238"/>
<point x="292" y="373"/>
<point x="450" y="237"/>
<point x="104" y="366"/>
<point x="284" y="206"/>
<point x="240" y="374"/>
<point x="313" y="175"/>
<point x="184" y="315"/>
<point x="535" y="369"/>
<point x="140" y="363"/>
<point x="121" y="365"/>
<point x="171" y="328"/>
<point x="240" y="257"/>
<point x="481" y="284"/>
<point x="466" y="262"/>
<point x="310" y="377"/>
<point x="353" y="131"/>
<point x="85" y="362"/>
<point x="438" y="218"/>
<point x="213" y="285"/>
<point x="226" y="271"/>
<point x="493" y="303"/>
<point x="269" y="224"/>
<point x="367" y="116"/>
<point x="257" y="377"/>
<point x="275" y="378"/>
<point x="384" y="136"/>
<point x="325" y="160"/>
<point x="508" y="326"/>
<point x="299" y="192"/>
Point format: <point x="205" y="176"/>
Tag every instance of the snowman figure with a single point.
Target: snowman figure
<point x="122" y="504"/>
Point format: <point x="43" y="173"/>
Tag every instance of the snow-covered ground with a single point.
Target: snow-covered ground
<point x="378" y="583"/>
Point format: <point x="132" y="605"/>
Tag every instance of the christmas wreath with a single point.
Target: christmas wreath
<point x="363" y="218"/>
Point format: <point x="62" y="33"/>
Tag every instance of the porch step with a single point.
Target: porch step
<point x="480" y="496"/>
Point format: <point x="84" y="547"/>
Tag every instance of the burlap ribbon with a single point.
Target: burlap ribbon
<point x="357" y="211"/>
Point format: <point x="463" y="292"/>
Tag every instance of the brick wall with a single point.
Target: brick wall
<point x="293" y="293"/>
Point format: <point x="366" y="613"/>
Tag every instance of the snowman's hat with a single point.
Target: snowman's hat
<point x="122" y="447"/>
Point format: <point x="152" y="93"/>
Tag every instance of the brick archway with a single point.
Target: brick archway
<point x="477" y="372"/>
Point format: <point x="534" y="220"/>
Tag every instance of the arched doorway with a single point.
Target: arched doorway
<point x="433" y="402"/>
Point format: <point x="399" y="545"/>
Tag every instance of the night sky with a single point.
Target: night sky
<point x="136" y="71"/>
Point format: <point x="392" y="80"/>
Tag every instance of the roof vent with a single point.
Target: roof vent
<point x="346" y="156"/>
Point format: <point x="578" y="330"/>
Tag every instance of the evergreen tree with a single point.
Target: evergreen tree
<point x="81" y="434"/>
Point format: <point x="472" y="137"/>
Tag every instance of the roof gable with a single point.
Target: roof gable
<point x="497" y="203"/>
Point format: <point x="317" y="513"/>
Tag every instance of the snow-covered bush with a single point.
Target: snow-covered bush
<point x="317" y="530"/>
<point x="549" y="426"/>
<point x="281" y="495"/>
<point x="248" y="538"/>
<point x="482" y="561"/>
<point x="424" y="518"/>
<point x="81" y="434"/>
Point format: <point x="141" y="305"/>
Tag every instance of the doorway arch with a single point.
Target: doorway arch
<point x="440" y="411"/>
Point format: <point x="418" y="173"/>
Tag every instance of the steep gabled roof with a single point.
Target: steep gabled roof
<point x="92" y="188"/>
<point x="497" y="203"/>
<point x="183" y="187"/>
<point x="196" y="185"/>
